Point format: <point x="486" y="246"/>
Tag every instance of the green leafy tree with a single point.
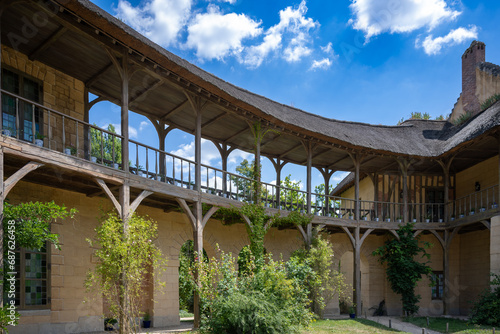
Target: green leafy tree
<point x="126" y="260"/>
<point x="186" y="283"/>
<point x="403" y="271"/>
<point x="292" y="197"/>
<point x="486" y="310"/>
<point x="106" y="147"/>
<point x="31" y="229"/>
<point x="313" y="267"/>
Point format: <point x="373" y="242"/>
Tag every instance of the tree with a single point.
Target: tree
<point x="126" y="260"/>
<point x="292" y="197"/>
<point x="105" y="147"/>
<point x="27" y="225"/>
<point x="403" y="271"/>
<point x="486" y="310"/>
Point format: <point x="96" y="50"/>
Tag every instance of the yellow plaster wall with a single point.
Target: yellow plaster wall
<point x="486" y="173"/>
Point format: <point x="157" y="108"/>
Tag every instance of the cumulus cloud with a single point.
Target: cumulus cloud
<point x="292" y="30"/>
<point x="433" y="46"/>
<point x="327" y="48"/>
<point x="159" y="20"/>
<point x="322" y="64"/>
<point x="143" y="125"/>
<point x="215" y="35"/>
<point x="374" y="17"/>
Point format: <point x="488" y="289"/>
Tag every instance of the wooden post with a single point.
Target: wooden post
<point x="403" y="167"/>
<point x="356" y="159"/>
<point x="124" y="113"/>
<point x="197" y="150"/>
<point x="224" y="151"/>
<point x="445" y="165"/>
<point x="198" y="249"/>
<point x="357" y="271"/>
<point x="327" y="174"/>
<point x="86" y="129"/>
<point x="278" y="166"/>
<point x="446" y="272"/>
<point x="309" y="150"/>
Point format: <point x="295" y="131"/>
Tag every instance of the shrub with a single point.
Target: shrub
<point x="486" y="311"/>
<point x="264" y="301"/>
<point x="462" y="118"/>
<point x="490" y="101"/>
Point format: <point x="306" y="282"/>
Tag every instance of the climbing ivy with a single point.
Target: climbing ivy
<point x="403" y="271"/>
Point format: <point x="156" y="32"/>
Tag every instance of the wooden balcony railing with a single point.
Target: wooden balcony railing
<point x="70" y="135"/>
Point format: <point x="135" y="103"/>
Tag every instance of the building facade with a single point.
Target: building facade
<point x="56" y="53"/>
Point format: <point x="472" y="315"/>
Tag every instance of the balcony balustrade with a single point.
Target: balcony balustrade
<point x="64" y="133"/>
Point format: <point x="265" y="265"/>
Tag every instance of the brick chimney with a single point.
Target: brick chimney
<point x="472" y="56"/>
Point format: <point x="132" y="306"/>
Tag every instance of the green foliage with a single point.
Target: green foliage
<point x="257" y="231"/>
<point x="486" y="310"/>
<point x="490" y="101"/>
<point x="463" y="118"/>
<point x="293" y="199"/>
<point x="245" y="262"/>
<point x="294" y="218"/>
<point x="439" y="118"/>
<point x="32" y="227"/>
<point x="126" y="259"/>
<point x="267" y="301"/>
<point x="186" y="283"/>
<point x="108" y="144"/>
<point x="314" y="269"/>
<point x="403" y="271"/>
<point x="32" y="230"/>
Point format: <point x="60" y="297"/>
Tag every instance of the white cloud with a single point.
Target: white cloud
<point x="132" y="132"/>
<point x="374" y="17"/>
<point x="238" y="155"/>
<point x="215" y="35"/>
<point x="433" y="46"/>
<point x="208" y="152"/>
<point x="322" y="64"/>
<point x="337" y="177"/>
<point x="292" y="30"/>
<point x="327" y="48"/>
<point x="159" y="20"/>
<point x="143" y="125"/>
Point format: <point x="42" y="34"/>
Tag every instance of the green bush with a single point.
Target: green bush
<point x="486" y="311"/>
<point x="264" y="301"/>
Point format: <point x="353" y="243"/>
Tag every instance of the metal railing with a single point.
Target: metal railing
<point x="57" y="131"/>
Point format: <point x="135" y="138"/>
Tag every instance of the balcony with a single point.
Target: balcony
<point x="71" y="136"/>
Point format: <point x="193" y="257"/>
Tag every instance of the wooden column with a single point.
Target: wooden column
<point x="198" y="222"/>
<point x="224" y="151"/>
<point x="162" y="130"/>
<point x="357" y="242"/>
<point x="197" y="151"/>
<point x="309" y="150"/>
<point x="124" y="113"/>
<point x="125" y="205"/>
<point x="403" y="167"/>
<point x="86" y="129"/>
<point x="278" y="166"/>
<point x="446" y="272"/>
<point x="356" y="159"/>
<point x="327" y="174"/>
<point x="445" y="165"/>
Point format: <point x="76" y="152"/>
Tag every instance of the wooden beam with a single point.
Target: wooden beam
<point x="247" y="220"/>
<point x="439" y="238"/>
<point x="188" y="212"/>
<point x="146" y="91"/>
<point x="366" y="234"/>
<point x="395" y="234"/>
<point x="349" y="234"/>
<point x="177" y="108"/>
<point x="17" y="176"/>
<point x="47" y="43"/>
<point x="138" y="200"/>
<point x="112" y="197"/>
<point x="215" y="119"/>
<point x="289" y="151"/>
<point x="209" y="214"/>
<point x="98" y="75"/>
<point x="301" y="230"/>
<point x="330" y="166"/>
<point x="315" y="156"/>
<point x="236" y="134"/>
<point x="100" y="192"/>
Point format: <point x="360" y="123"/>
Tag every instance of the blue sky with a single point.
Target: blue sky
<point x="372" y="61"/>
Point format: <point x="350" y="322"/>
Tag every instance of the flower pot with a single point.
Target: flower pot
<point x="352" y="315"/>
<point x="414" y="220"/>
<point x="351" y="217"/>
<point x="39" y="142"/>
<point x="116" y="166"/>
<point x="93" y="159"/>
<point x="388" y="220"/>
<point x="482" y="209"/>
<point x="472" y="212"/>
<point x="67" y="151"/>
<point x="146" y="323"/>
<point x="494" y="206"/>
<point x="399" y="220"/>
<point x="377" y="219"/>
<point x="427" y="220"/>
<point x="7" y="133"/>
<point x="461" y="216"/>
<point x="452" y="218"/>
<point x="440" y="220"/>
<point x="365" y="218"/>
<point x="340" y="215"/>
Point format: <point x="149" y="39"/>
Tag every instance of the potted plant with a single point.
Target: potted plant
<point x="472" y="211"/>
<point x="452" y="218"/>
<point x="494" y="205"/>
<point x="483" y="209"/>
<point x="351" y="215"/>
<point x="414" y="220"/>
<point x="365" y="216"/>
<point x="39" y="139"/>
<point x="352" y="311"/>
<point x="109" y="324"/>
<point x="8" y="132"/>
<point x="70" y="150"/>
<point x="400" y="219"/>
<point x="428" y="218"/>
<point x="461" y="215"/>
<point x="146" y="321"/>
<point x="388" y="219"/>
<point x="377" y="219"/>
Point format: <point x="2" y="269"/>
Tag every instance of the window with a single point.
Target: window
<point x="434" y="199"/>
<point x="29" y="88"/>
<point x="32" y="279"/>
<point x="437" y="279"/>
